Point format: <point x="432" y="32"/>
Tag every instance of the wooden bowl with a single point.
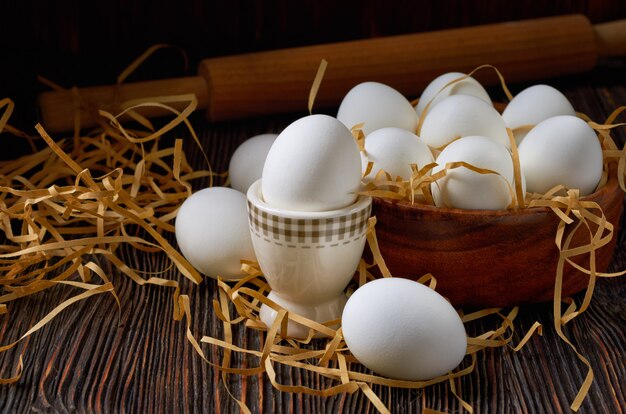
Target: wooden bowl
<point x="488" y="258"/>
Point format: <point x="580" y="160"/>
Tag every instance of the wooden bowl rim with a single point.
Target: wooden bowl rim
<point x="405" y="206"/>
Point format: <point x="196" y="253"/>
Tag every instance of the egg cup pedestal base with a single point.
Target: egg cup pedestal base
<point x="321" y="312"/>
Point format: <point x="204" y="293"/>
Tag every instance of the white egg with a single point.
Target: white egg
<point x="377" y="106"/>
<point x="394" y="150"/>
<point x="314" y="165"/>
<point x="533" y="105"/>
<point x="212" y="231"/>
<point x="434" y="92"/>
<point x="246" y="164"/>
<point x="467" y="189"/>
<point x="562" y="150"/>
<point x="402" y="329"/>
<point x="460" y="116"/>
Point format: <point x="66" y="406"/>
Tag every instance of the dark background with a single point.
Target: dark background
<point x="83" y="43"/>
<point x="87" y="361"/>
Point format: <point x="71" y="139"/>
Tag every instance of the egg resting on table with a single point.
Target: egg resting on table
<point x="212" y="232"/>
<point x="402" y="329"/>
<point x="246" y="164"/>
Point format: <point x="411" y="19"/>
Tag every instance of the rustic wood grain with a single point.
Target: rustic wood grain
<point x="96" y="358"/>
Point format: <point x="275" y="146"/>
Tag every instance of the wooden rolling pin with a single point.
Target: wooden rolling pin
<point x="279" y="81"/>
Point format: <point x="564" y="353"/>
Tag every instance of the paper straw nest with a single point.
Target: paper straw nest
<point x="69" y="206"/>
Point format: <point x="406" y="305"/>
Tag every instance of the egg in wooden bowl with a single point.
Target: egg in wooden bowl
<point x="490" y="258"/>
<point x="515" y="198"/>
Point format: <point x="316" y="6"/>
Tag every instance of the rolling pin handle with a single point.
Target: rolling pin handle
<point x="57" y="107"/>
<point x="610" y="38"/>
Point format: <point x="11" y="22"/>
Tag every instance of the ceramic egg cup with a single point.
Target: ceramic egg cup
<point x="308" y="258"/>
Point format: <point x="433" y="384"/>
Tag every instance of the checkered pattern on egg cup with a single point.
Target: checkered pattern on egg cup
<point x="316" y="233"/>
<point x="307" y="257"/>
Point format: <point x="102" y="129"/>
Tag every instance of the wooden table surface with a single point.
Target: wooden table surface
<point x="92" y="359"/>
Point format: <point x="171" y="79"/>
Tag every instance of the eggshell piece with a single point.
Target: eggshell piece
<point x="212" y="231"/>
<point x="467" y="189"/>
<point x="314" y="165"/>
<point x="246" y="164"/>
<point x="533" y="105"/>
<point x="402" y="329"/>
<point x="460" y="116"/>
<point x="562" y="150"/>
<point x="394" y="150"/>
<point x="377" y="106"/>
<point x="434" y="93"/>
